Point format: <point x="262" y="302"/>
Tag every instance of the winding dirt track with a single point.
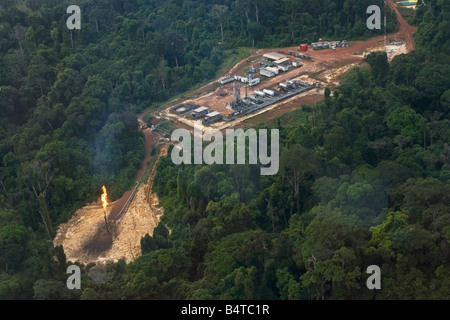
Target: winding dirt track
<point x="406" y="30"/>
<point x="151" y="139"/>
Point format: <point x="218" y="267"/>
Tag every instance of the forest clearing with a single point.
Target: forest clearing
<point x="85" y="238"/>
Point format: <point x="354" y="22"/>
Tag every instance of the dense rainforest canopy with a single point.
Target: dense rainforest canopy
<point x="372" y="160"/>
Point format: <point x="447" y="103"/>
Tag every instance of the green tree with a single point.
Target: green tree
<point x="38" y="177"/>
<point x="379" y="65"/>
<point x="297" y="164"/>
<point x="218" y="13"/>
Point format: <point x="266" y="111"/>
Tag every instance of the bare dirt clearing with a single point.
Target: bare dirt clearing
<point x="85" y="238"/>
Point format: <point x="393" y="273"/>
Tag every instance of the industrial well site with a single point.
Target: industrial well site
<point x="273" y="78"/>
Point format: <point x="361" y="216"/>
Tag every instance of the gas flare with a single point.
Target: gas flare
<point x="104" y="198"/>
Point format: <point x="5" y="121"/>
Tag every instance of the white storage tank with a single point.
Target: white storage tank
<point x="260" y="93"/>
<point x="269" y="92"/>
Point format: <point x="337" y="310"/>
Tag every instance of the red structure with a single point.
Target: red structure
<point x="303" y="47"/>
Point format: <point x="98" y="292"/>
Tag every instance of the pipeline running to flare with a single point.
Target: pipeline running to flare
<point x="106" y="221"/>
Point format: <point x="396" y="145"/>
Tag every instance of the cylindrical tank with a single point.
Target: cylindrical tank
<point x="303" y="47"/>
<point x="269" y="92"/>
<point x="260" y="93"/>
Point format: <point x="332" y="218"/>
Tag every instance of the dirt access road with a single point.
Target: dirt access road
<point x="406" y="30"/>
<point x="151" y="139"/>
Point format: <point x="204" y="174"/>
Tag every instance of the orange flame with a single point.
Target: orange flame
<point x="104" y="198"/>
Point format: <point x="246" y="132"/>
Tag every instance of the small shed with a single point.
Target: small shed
<point x="282" y="62"/>
<point x="273" y="70"/>
<point x="297" y="63"/>
<point x="254" y="82"/>
<point x="200" y="112"/>
<point x="266" y="73"/>
<point x="274" y="56"/>
<point x="213" y="116"/>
